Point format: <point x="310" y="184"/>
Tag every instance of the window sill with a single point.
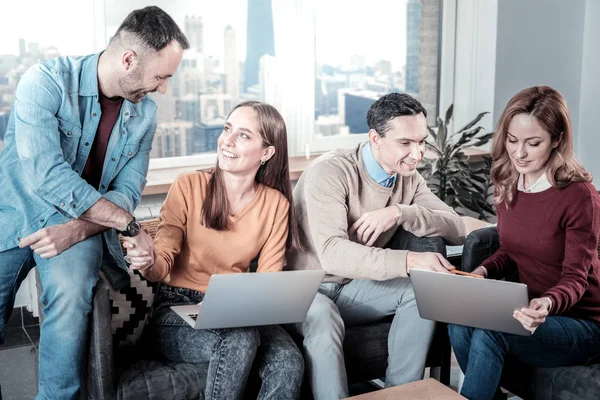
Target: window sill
<point x="160" y="179"/>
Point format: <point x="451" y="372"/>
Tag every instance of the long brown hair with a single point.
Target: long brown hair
<point x="550" y="110"/>
<point x="275" y="173"/>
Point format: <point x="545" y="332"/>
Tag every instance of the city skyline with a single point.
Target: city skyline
<point x="359" y="26"/>
<point x="192" y="112"/>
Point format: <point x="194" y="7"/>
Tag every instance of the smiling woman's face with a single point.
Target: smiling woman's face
<point x="528" y="146"/>
<point x="240" y="146"/>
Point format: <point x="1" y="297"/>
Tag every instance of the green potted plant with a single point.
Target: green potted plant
<point x="460" y="184"/>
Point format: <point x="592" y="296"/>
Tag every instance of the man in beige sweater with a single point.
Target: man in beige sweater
<point x="349" y="204"/>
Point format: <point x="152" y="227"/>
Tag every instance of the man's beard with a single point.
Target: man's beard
<point x="130" y="84"/>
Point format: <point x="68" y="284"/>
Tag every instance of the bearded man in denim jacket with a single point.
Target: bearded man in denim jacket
<point x="72" y="173"/>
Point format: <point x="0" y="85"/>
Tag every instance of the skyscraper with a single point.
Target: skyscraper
<point x="429" y="58"/>
<point x="194" y="31"/>
<point x="210" y="131"/>
<point x="231" y="65"/>
<point x="268" y="79"/>
<point x="413" y="23"/>
<point x="259" y="39"/>
<point x="356" y="106"/>
<point x="21" y="47"/>
<point x="4" y="115"/>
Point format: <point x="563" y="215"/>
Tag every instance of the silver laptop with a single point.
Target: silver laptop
<point x="251" y="299"/>
<point x="463" y="300"/>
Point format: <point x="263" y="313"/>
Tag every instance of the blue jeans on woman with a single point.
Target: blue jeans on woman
<point x="230" y="353"/>
<point x="560" y="341"/>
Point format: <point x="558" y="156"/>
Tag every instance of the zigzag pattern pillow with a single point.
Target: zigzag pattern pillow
<point x="130" y="308"/>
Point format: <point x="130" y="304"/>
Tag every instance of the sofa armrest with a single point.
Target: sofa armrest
<point x="100" y="369"/>
<point x="479" y="245"/>
<point x="403" y="240"/>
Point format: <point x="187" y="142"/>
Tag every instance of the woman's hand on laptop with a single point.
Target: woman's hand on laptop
<point x="428" y="262"/>
<point x="533" y="316"/>
<point x="481" y="270"/>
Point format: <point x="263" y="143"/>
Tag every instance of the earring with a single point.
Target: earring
<point x="262" y="162"/>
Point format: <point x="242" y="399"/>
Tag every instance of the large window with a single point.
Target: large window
<point x="33" y="31"/>
<point x="221" y="68"/>
<point x="367" y="50"/>
<point x="322" y="63"/>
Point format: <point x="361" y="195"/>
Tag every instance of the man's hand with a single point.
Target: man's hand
<point x="374" y="223"/>
<point x="481" y="271"/>
<point x="141" y="252"/>
<point x="53" y="240"/>
<point x="428" y="262"/>
<point x="533" y="316"/>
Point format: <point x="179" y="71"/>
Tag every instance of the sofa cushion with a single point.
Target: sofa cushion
<point x="155" y="380"/>
<point x="562" y="383"/>
<point x="130" y="308"/>
<point x="567" y="383"/>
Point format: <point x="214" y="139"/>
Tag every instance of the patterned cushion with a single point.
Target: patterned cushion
<point x="130" y="307"/>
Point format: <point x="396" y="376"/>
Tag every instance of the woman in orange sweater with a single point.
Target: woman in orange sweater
<point x="216" y="223"/>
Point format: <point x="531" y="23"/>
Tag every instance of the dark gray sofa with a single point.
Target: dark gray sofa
<point x="129" y="374"/>
<point x="565" y="383"/>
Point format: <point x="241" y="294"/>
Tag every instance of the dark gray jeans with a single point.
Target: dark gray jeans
<point x="229" y="353"/>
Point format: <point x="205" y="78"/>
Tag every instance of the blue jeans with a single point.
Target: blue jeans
<point x="560" y="341"/>
<point x="67" y="284"/>
<point x="229" y="353"/>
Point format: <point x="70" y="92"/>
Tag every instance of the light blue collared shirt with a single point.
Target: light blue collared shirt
<point x="374" y="169"/>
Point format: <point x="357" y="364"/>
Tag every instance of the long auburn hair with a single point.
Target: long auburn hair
<point x="274" y="173"/>
<point x="550" y="110"/>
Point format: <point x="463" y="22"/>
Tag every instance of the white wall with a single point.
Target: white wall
<point x="588" y="140"/>
<point x="540" y="42"/>
<point x="555" y="43"/>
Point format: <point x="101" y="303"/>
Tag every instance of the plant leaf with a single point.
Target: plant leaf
<point x="432" y="133"/>
<point x="441" y="133"/>
<point x="449" y="113"/>
<point x="474" y="122"/>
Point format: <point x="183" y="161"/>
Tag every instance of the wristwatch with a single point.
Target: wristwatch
<point x="133" y="228"/>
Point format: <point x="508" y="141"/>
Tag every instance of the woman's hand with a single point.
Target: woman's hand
<point x="481" y="271"/>
<point x="138" y="257"/>
<point x="533" y="316"/>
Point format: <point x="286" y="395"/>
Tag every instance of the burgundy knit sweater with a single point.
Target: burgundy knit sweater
<point x="551" y="237"/>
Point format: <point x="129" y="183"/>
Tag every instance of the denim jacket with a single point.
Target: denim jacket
<point x="50" y="132"/>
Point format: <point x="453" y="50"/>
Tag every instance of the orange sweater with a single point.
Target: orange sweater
<point x="188" y="253"/>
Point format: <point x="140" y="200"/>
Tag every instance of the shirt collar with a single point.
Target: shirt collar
<point x="539" y="186"/>
<point x="88" y="83"/>
<point x="374" y="169"/>
<point x="88" y="86"/>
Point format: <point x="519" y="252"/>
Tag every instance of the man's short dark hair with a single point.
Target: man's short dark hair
<point x="152" y="28"/>
<point x="389" y="107"/>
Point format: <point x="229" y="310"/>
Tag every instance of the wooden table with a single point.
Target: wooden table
<point x="427" y="389"/>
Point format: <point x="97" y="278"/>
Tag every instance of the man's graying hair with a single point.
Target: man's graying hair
<point x="389" y="107"/>
<point x="151" y="28"/>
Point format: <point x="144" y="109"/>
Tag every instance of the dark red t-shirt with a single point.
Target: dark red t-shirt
<point x="92" y="172"/>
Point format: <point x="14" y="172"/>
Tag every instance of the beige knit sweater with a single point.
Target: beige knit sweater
<point x="336" y="190"/>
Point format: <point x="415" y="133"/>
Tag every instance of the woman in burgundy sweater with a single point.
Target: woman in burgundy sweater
<point x="548" y="223"/>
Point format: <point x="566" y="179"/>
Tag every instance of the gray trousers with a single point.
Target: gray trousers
<point x="361" y="302"/>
